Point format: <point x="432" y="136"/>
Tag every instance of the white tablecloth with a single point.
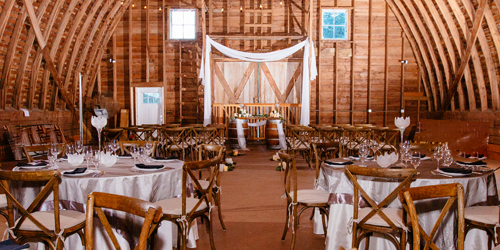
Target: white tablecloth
<point x="477" y="190"/>
<point x="118" y="179"/>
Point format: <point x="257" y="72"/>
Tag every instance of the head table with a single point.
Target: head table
<point x="121" y="179"/>
<point x="479" y="189"/>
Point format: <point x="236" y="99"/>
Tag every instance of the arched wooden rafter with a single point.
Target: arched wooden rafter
<point x="445" y="38"/>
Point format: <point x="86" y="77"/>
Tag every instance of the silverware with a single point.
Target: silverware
<point x="434" y="172"/>
<point x="98" y="174"/>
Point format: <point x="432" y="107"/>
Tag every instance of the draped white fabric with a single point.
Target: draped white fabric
<point x="307" y="73"/>
<point x="242" y="142"/>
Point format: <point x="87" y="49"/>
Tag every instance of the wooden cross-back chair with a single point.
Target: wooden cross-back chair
<point x="485" y="218"/>
<point x="377" y="217"/>
<point x="203" y="135"/>
<point x="323" y="151"/>
<point x="139" y="133"/>
<point x="41" y="226"/>
<point x="206" y="152"/>
<point x="125" y="146"/>
<point x="35" y="150"/>
<point x="304" y="198"/>
<point x="97" y="201"/>
<point x="330" y="134"/>
<point x="454" y="192"/>
<point x="299" y="140"/>
<point x="184" y="210"/>
<point x="176" y="140"/>
<point x="386" y="138"/>
<point x="220" y="136"/>
<point x="356" y="137"/>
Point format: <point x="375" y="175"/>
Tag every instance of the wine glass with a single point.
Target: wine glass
<point x="87" y="154"/>
<point x="149" y="148"/>
<point x="407" y="156"/>
<point x="69" y="150"/>
<point x="415" y="160"/>
<point x="96" y="159"/>
<point x="52" y="160"/>
<point x="134" y="151"/>
<point x="363" y="153"/>
<point x="447" y="160"/>
<point x="374" y="147"/>
<point x="438" y="155"/>
<point x="55" y="149"/>
<point x="115" y="145"/>
<point x="79" y="147"/>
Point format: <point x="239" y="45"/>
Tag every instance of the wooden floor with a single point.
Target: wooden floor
<point x="253" y="208"/>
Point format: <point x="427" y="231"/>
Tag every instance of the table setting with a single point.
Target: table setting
<point x="436" y="167"/>
<point x="139" y="176"/>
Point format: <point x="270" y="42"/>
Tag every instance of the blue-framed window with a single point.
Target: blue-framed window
<point x="334" y="24"/>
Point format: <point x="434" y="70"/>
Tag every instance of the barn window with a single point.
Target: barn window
<point x="153" y="98"/>
<point x="182" y="24"/>
<point x="334" y="24"/>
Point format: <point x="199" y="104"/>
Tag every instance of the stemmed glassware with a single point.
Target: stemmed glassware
<point x="416" y="159"/>
<point x="403" y="150"/>
<point x="79" y="147"/>
<point x="406" y="156"/>
<point x="69" y="150"/>
<point x="374" y="146"/>
<point x="96" y="159"/>
<point x="364" y="150"/>
<point x="438" y="155"/>
<point x="114" y="145"/>
<point x="149" y="148"/>
<point x="134" y="152"/>
<point x="87" y="154"/>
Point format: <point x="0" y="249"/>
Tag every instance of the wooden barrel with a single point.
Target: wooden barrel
<point x="272" y="137"/>
<point x="232" y="132"/>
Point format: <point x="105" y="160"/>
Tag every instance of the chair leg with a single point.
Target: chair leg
<point x="367" y="242"/>
<point x="325" y="221"/>
<point x="210" y="231"/>
<point x="219" y="209"/>
<point x="294" y="231"/>
<point x="286" y="223"/>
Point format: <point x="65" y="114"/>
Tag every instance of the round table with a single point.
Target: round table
<point x="119" y="179"/>
<point x="479" y="189"/>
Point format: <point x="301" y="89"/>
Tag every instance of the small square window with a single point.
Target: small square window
<point x="334" y="24"/>
<point x="182" y="24"/>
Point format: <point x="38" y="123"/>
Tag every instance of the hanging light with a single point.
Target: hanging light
<point x="159" y="9"/>
<point x="260" y="6"/>
<point x="241" y="8"/>
<point x="122" y="2"/>
<point x="133" y="5"/>
<point x="281" y="2"/>
<point x="222" y="9"/>
<point x="145" y="7"/>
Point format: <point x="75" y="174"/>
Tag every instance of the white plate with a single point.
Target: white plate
<point x="86" y="173"/>
<point x="32" y="167"/>
<point x="165" y="160"/>
<point x="452" y="174"/>
<point x="425" y="158"/>
<point x="124" y="157"/>
<point x="467" y="165"/>
<point x="136" y="169"/>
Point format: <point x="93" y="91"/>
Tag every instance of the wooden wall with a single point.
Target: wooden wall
<point x="452" y="48"/>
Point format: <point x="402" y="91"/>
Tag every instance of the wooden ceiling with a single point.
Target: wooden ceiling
<point x="46" y="43"/>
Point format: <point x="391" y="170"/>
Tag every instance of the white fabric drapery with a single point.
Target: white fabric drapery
<point x="307" y="73"/>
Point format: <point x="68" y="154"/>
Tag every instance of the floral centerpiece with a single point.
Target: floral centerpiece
<point x="242" y="113"/>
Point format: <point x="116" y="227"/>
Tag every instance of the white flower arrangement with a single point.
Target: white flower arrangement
<point x="241" y="113"/>
<point x="275" y="114"/>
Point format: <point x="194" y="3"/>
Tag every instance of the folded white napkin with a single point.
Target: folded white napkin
<point x="387" y="159"/>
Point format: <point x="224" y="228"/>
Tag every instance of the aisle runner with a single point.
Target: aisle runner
<point x="241" y="135"/>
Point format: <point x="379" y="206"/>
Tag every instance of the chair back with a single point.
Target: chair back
<point x="290" y="181"/>
<point x="189" y="176"/>
<point x="175" y="138"/>
<point x="220" y="136"/>
<point x="323" y="151"/>
<point x="52" y="179"/>
<point x="205" y="135"/>
<point x="454" y="192"/>
<point x="209" y="151"/>
<point x="125" y="146"/>
<point x="42" y="149"/>
<point x="404" y="176"/>
<point x="300" y="137"/>
<point x="96" y="201"/>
